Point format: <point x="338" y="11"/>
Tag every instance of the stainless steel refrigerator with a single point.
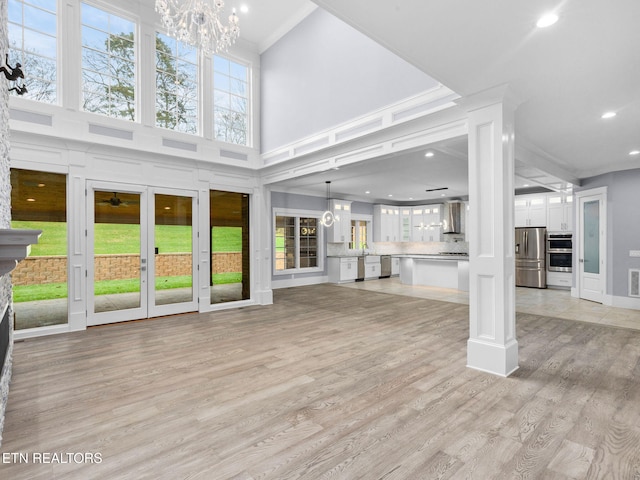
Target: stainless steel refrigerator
<point x="531" y="269"/>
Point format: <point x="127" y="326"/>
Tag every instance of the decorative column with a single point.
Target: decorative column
<point x="492" y="346"/>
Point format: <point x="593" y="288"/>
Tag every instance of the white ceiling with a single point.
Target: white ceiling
<point x="566" y="75"/>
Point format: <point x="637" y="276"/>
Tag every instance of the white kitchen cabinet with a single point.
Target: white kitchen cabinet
<point x="342" y="269"/>
<point x="386" y="223"/>
<point x="340" y="232"/>
<point x="531" y="211"/>
<point x="559" y="279"/>
<point x="395" y="266"/>
<point x="559" y="212"/>
<point x="405" y="224"/>
<point x="426" y="223"/>
<point x="372" y="266"/>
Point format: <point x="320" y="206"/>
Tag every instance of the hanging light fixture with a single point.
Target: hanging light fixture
<point x="328" y="218"/>
<point x="198" y="23"/>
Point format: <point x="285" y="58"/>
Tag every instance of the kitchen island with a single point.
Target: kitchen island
<point x="444" y="270"/>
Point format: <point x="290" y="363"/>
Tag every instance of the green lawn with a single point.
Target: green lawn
<point x="110" y="239"/>
<point x="47" y="291"/>
<point x="114" y="239"/>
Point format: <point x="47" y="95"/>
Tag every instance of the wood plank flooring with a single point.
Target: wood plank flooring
<point x="327" y="383"/>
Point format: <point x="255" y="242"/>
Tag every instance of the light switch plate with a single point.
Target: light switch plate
<point x="634" y="253"/>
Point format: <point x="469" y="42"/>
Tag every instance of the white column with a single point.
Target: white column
<point x="492" y="346"/>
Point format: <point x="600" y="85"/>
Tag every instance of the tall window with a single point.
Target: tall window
<point x="39" y="202"/>
<point x="296" y="243"/>
<point x="33" y="44"/>
<point x="230" y="101"/>
<point x="108" y="64"/>
<point x="230" y="262"/>
<point x="176" y="85"/>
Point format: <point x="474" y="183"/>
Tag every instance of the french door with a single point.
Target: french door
<point x="141" y="243"/>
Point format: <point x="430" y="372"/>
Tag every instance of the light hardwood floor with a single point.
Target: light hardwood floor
<point x="328" y="382"/>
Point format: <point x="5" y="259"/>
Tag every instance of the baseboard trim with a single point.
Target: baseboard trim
<point x="298" y="282"/>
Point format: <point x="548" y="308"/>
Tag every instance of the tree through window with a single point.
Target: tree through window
<point x="230" y="101"/>
<point x="176" y="85"/>
<point x="108" y="64"/>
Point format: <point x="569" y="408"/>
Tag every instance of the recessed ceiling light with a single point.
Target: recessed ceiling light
<point x="429" y="154"/>
<point x="525" y="185"/>
<point x="31" y="199"/>
<point x="390" y="195"/>
<point x="634" y="152"/>
<point x="367" y="192"/>
<point x="244" y="8"/>
<point x="608" y="114"/>
<point x="167" y="208"/>
<point x="443" y="194"/>
<point x="41" y="185"/>
<point x="547" y="20"/>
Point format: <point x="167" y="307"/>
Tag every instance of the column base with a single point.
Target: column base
<point x="489" y="357"/>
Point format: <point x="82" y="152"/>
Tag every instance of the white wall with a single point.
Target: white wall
<point x="324" y="73"/>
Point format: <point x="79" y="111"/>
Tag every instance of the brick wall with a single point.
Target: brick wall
<point x="53" y="269"/>
<point x="226" y="262"/>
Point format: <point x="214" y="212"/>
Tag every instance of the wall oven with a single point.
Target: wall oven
<point x="559" y="252"/>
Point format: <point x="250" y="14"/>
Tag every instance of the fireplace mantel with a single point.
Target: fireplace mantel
<point x="15" y="245"/>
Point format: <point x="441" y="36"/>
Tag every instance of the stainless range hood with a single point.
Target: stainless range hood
<point x="452" y="222"/>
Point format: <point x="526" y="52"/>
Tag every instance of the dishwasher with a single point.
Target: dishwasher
<point x="385" y="266"/>
<point x="360" y="276"/>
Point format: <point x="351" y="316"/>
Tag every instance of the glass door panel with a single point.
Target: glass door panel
<point x="229" y="227"/>
<point x="592" y="237"/>
<point x="173" y="237"/>
<point x="117" y="245"/>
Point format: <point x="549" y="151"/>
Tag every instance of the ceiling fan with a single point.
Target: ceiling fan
<point x="115" y="201"/>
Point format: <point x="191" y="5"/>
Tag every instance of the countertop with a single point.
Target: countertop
<point x="433" y="256"/>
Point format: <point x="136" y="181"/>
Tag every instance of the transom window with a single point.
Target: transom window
<point x="108" y="64"/>
<point x="33" y="44"/>
<point x="297" y="243"/>
<point x="230" y="101"/>
<point x="176" y="85"/>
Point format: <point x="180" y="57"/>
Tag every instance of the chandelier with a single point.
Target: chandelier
<point x="198" y="23"/>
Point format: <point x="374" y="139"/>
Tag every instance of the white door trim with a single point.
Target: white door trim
<point x="600" y="192"/>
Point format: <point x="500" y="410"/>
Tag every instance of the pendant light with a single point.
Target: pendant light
<point x="328" y="218"/>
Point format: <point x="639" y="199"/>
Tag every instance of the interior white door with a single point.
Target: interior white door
<point x="591" y="251"/>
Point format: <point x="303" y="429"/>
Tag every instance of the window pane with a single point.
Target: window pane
<point x="220" y="64"/>
<point x="230" y="101"/>
<point x="40" y="281"/>
<point x="176" y="86"/>
<point x="39" y="20"/>
<point x="40" y="43"/>
<point x="32" y="38"/>
<point x="112" y="55"/>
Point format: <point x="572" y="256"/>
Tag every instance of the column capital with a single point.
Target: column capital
<point x="503" y="94"/>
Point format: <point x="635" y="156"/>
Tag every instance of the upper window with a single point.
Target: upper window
<point x="176" y="85"/>
<point x="230" y="101"/>
<point x="108" y="64"/>
<point x="33" y="44"/>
